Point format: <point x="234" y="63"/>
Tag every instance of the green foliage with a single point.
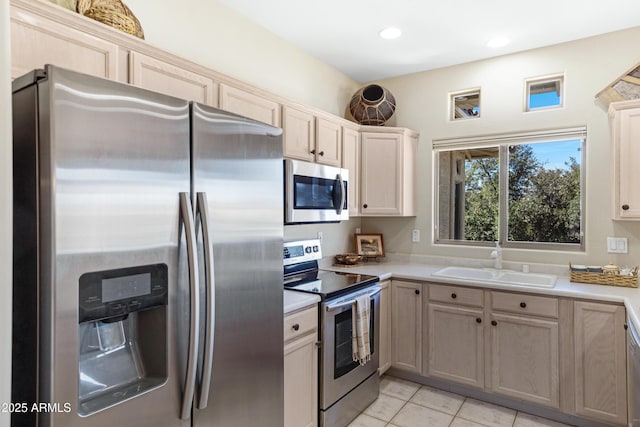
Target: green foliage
<point x="543" y="204"/>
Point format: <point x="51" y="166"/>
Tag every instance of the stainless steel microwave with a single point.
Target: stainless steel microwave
<point x="314" y="192"/>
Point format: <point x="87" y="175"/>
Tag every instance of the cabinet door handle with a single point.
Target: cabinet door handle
<point x="417" y="291"/>
<point x="321" y="153"/>
<point x="625" y="207"/>
<point x="454" y="296"/>
<point x="478" y="320"/>
<point x="365" y="206"/>
<point x="523" y="304"/>
<point x="625" y="326"/>
<point x="313" y="151"/>
<point x="494" y="323"/>
<point x="295" y="327"/>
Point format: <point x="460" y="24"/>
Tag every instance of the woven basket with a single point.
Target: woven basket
<point x="604" y="278"/>
<point x="113" y="13"/>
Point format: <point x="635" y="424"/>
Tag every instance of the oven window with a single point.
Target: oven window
<point x="343" y="357"/>
<point x="315" y="193"/>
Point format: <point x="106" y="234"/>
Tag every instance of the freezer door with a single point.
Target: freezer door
<point x="112" y="162"/>
<point x="238" y="171"/>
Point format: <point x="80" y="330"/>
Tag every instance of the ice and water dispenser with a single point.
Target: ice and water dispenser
<point x="122" y="335"/>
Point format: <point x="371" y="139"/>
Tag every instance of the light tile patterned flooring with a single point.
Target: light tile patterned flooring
<point x="407" y="404"/>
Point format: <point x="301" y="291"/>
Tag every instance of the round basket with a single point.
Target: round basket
<point x="113" y="13"/>
<point x="348" y="259"/>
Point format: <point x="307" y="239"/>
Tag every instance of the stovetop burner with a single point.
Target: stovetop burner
<point x="329" y="284"/>
<point x="301" y="272"/>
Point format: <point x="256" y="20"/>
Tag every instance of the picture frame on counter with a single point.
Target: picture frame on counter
<point x="369" y="245"/>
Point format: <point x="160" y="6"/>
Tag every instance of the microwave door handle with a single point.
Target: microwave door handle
<point x="209" y="328"/>
<point x="186" y="215"/>
<point x="343" y="193"/>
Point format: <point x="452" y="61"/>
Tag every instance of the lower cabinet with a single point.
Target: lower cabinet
<point x="301" y="368"/>
<point x="559" y="353"/>
<point x="406" y="325"/>
<point x="600" y="362"/>
<point x="385" y="327"/>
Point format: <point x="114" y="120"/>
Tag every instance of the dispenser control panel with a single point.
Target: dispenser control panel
<point x="113" y="293"/>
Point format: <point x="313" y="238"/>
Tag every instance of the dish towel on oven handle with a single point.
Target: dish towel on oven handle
<point x="360" y="315"/>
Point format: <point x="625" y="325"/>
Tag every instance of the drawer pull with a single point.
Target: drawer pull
<point x="478" y="320"/>
<point x="454" y="296"/>
<point x="365" y="206"/>
<point x="625" y="207"/>
<point x="523" y="304"/>
<point x="417" y="292"/>
<point x="295" y="327"/>
<point x="494" y="323"/>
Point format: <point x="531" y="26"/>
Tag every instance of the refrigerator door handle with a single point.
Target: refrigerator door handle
<point x="186" y="215"/>
<point x="207" y="367"/>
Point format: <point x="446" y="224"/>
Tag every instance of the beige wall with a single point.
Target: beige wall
<point x="5" y="211"/>
<point x="589" y="66"/>
<point x="210" y="33"/>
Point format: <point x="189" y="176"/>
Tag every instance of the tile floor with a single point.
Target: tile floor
<point x="407" y="404"/>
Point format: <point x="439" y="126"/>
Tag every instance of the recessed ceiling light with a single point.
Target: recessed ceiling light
<point x="390" y="33"/>
<point x="498" y="42"/>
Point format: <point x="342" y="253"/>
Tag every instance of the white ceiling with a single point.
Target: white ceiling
<point x="344" y="33"/>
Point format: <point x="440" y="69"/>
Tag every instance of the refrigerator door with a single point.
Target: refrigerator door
<point x="237" y="173"/>
<point x="112" y="162"/>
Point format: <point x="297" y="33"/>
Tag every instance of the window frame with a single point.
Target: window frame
<point x="460" y="93"/>
<point x="502" y="141"/>
<point x="541" y="80"/>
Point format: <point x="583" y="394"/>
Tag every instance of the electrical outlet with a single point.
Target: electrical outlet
<point x="415" y="236"/>
<point x="617" y="245"/>
<point x="358" y="230"/>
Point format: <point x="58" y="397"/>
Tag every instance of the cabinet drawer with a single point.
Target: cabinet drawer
<point x="456" y="295"/>
<point x="300" y="323"/>
<point x="524" y="304"/>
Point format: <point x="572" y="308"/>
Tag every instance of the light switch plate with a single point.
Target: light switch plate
<point x="617" y="245"/>
<point x="415" y="236"/>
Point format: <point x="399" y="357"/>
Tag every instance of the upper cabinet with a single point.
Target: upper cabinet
<point x="310" y="137"/>
<point x="625" y="133"/>
<point x="388" y="177"/>
<point x="351" y="161"/>
<point x="299" y="133"/>
<point x="249" y="104"/>
<point x="38" y="39"/>
<point x="160" y="76"/>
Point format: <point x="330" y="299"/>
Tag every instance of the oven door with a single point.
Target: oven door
<point x="339" y="374"/>
<point x="315" y="193"/>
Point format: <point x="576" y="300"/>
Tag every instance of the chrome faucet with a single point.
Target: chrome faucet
<point x="497" y="254"/>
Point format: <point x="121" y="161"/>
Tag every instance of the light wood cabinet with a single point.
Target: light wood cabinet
<point x="525" y="358"/>
<point x="625" y="133"/>
<point x="456" y="344"/>
<point x="351" y="161"/>
<point x="248" y="104"/>
<point x="299" y="133"/>
<point x="406" y="325"/>
<point x="600" y="362"/>
<point x="301" y="368"/>
<point x="328" y="149"/>
<point x="160" y="76"/>
<point x="388" y="175"/>
<point x="385" y="327"/>
<point x="37" y="40"/>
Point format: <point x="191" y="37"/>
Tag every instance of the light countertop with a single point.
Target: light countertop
<point x="298" y="300"/>
<point x="411" y="270"/>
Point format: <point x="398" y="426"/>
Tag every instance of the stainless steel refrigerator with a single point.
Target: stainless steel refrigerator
<point x="147" y="259"/>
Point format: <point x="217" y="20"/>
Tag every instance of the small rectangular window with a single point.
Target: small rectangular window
<point x="544" y="92"/>
<point x="464" y="104"/>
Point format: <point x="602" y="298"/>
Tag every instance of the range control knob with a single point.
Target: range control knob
<point x="308" y="249"/>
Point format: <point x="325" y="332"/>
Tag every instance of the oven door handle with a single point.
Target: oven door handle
<point x="341" y="304"/>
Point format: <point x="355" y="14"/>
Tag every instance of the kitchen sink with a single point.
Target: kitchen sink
<point x="490" y="275"/>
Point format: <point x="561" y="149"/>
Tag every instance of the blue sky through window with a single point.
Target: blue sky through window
<point x="554" y="155"/>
